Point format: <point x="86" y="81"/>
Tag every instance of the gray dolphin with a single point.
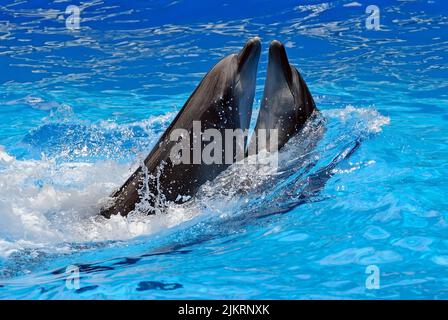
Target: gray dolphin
<point x="287" y="102"/>
<point x="223" y="100"/>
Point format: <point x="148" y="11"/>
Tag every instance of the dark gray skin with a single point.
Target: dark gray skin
<point x="223" y="100"/>
<point x="287" y="102"/>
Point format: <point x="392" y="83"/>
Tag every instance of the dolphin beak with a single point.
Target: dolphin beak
<point x="250" y="54"/>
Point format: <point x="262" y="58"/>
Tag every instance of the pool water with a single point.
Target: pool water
<point x="81" y="108"/>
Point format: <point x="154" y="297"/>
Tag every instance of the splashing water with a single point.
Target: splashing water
<point x="57" y="203"/>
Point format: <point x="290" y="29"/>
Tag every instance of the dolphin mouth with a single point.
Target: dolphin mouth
<point x="250" y="54"/>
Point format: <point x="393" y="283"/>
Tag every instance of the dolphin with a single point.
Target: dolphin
<point x="287" y="102"/>
<point x="286" y="107"/>
<point x="223" y="100"/>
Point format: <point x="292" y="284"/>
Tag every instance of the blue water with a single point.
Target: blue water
<point x="80" y="108"/>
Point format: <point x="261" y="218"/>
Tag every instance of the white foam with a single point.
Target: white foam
<point x="43" y="203"/>
<point x="367" y="118"/>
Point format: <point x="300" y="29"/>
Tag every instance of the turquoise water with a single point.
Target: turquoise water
<point x="80" y="108"/>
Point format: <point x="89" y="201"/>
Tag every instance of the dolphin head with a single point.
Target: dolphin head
<point x="287" y="103"/>
<point x="248" y="56"/>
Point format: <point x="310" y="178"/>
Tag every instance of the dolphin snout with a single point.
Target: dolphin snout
<point x="250" y="54"/>
<point x="278" y="62"/>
